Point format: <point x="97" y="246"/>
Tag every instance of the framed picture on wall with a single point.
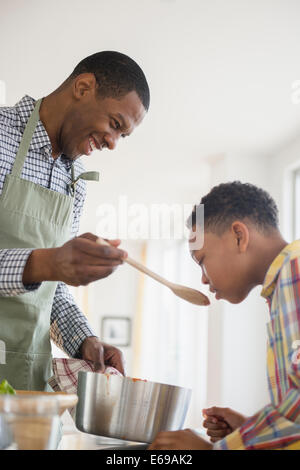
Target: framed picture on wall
<point x="116" y="330"/>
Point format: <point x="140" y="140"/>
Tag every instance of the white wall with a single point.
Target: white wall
<point x="283" y="164"/>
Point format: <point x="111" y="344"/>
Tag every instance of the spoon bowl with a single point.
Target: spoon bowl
<point x="186" y="293"/>
<point x="193" y="296"/>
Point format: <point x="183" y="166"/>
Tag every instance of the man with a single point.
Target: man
<point x="243" y="248"/>
<point x="42" y="194"/>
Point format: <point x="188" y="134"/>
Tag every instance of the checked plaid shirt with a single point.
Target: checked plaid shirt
<point x="277" y="425"/>
<point x="69" y="326"/>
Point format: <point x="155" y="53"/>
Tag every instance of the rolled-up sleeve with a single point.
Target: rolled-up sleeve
<point x="273" y="428"/>
<point x="12" y="265"/>
<point x="277" y="425"/>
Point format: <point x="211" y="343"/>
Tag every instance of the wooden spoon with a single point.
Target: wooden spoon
<point x="187" y="293"/>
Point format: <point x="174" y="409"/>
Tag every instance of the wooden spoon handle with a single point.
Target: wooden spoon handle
<point x="147" y="271"/>
<point x="139" y="266"/>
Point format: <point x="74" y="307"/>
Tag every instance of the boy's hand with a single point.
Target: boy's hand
<point x="221" y="421"/>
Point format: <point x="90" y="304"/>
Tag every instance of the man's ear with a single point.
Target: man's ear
<point x="240" y="232"/>
<point x="84" y="84"/>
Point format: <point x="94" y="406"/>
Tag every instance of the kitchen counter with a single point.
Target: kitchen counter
<point x="73" y="439"/>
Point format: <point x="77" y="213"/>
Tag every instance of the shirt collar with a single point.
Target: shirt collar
<point x="40" y="137"/>
<point x="272" y="274"/>
<point x="40" y="140"/>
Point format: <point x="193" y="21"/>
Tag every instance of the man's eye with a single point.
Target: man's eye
<point x="117" y="125"/>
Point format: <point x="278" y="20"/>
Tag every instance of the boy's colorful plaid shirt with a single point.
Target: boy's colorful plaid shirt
<point x="277" y="425"/>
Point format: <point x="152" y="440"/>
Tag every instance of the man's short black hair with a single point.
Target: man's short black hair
<point x="228" y="202"/>
<point x="116" y="75"/>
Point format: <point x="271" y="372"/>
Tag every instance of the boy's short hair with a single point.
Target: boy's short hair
<point x="228" y="202"/>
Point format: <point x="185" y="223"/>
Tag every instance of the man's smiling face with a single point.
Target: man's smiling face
<point x="95" y="122"/>
<point x="224" y="267"/>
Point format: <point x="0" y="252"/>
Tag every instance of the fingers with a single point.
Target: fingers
<point x="87" y="244"/>
<point x="185" y="439"/>
<point x="99" y="366"/>
<point x="94" y="238"/>
<point x="88" y="260"/>
<point x="93" y="350"/>
<point x="82" y="260"/>
<point x="98" y="357"/>
<point x="88" y="236"/>
<point x="216" y="412"/>
<point x="164" y="440"/>
<point x="113" y="357"/>
<point x="93" y="273"/>
<point x="217" y="432"/>
<point x="212" y="419"/>
<point x="119" y="365"/>
<point x="98" y="361"/>
<point x="216" y="426"/>
<point x="212" y="425"/>
<point x="87" y="274"/>
<point x="115" y="243"/>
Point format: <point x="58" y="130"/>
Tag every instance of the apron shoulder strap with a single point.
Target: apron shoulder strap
<point x="26" y="140"/>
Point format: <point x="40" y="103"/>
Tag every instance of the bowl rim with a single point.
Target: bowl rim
<point x="130" y="379"/>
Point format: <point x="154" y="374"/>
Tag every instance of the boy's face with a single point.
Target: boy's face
<point x="225" y="264"/>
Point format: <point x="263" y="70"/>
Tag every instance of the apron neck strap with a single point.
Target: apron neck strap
<point x="25" y="144"/>
<point x="26" y="140"/>
<point x="88" y="176"/>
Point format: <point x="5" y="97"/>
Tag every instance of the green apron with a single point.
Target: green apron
<point x="31" y="216"/>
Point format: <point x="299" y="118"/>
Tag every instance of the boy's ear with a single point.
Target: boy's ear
<point x="241" y="234"/>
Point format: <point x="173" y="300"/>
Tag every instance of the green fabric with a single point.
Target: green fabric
<point x="88" y="175"/>
<point x="34" y="217"/>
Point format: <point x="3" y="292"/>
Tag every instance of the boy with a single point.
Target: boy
<point x="243" y="248"/>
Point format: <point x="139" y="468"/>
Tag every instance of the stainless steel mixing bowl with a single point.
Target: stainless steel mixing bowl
<point x="129" y="409"/>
